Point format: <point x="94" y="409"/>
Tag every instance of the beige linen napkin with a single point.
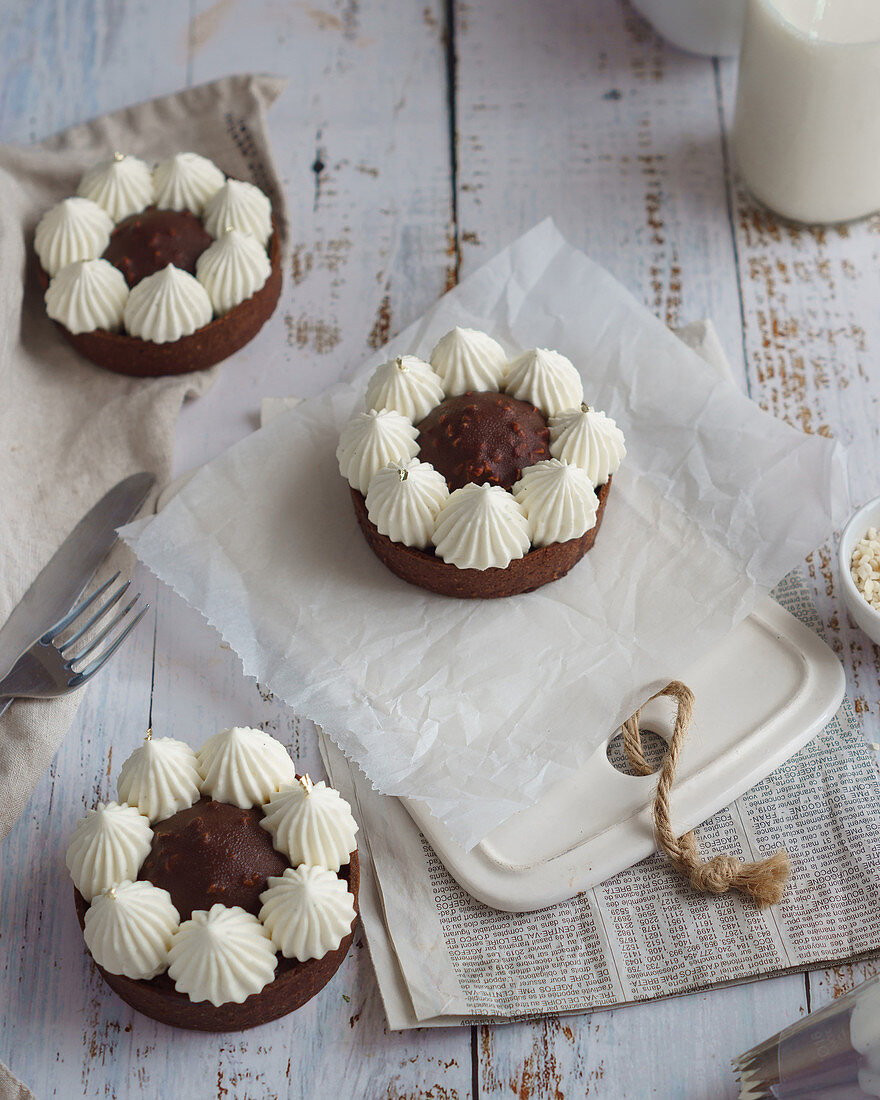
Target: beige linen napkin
<point x="69" y="430"/>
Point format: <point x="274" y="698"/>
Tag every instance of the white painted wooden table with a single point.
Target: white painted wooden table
<point x="414" y="140"/>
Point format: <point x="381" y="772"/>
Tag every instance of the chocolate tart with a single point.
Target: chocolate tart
<point x="293" y="985"/>
<point x="220" y="338"/>
<point x="538" y="567"/>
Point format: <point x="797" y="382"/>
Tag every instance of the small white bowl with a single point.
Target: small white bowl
<point x="865" y="615"/>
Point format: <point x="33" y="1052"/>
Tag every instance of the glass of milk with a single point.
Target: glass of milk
<point x="806" y="135"/>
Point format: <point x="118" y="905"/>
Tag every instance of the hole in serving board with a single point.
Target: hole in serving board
<point x="653" y="744"/>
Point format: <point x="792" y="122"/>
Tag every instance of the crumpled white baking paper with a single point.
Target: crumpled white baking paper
<point x="478" y="707"/>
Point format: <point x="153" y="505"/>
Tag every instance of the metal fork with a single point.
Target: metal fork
<point x="48" y="668"/>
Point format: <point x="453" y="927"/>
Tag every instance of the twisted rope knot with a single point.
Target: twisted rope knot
<point x="717" y="875"/>
<point x="763" y="880"/>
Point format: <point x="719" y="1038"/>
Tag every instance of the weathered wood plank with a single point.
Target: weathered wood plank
<point x="361" y="138"/>
<point x="811" y="333"/>
<point x="58" y="1027"/>
<point x="579" y="111"/>
<point x="65" y="61"/>
<point x="678" y="1049"/>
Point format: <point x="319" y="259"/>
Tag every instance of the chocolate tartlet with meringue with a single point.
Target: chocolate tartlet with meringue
<point x="221" y="891"/>
<point x="475" y="476"/>
<point x="159" y="271"/>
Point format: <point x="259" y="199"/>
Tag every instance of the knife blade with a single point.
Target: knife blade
<point x="64" y="577"/>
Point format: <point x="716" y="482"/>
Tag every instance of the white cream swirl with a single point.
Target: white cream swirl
<point x="403" y="500"/>
<point x="481" y="527"/>
<point x="370" y="440"/>
<point x="307" y="911"/>
<point x="233" y="269"/>
<point x="239" y="205"/>
<point x="128" y="929"/>
<point x="244" y="766"/>
<point x="122" y="185"/>
<point x="406" y="384"/>
<point x="88" y="295"/>
<point x="74" y="229"/>
<point x="588" y="438"/>
<point x="558" y="501"/>
<point x="221" y="955"/>
<point x="108" y="846"/>
<point x="167" y="305"/>
<point x="466" y="359"/>
<point x="186" y="181"/>
<point x="160" y="778"/>
<point x="547" y="379"/>
<point x="311" y="823"/>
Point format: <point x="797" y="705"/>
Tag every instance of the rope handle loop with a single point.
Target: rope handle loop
<point x="764" y="880"/>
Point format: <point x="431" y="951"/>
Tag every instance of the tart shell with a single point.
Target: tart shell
<point x="220" y="338"/>
<point x="423" y="568"/>
<point x="293" y="985"/>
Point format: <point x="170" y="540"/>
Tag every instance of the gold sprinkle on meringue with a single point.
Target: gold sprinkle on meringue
<point x="306" y="783"/>
<point x="149" y="736"/>
<point x="403" y="474"/>
<point x="400" y="363"/>
<point x="117" y="156"/>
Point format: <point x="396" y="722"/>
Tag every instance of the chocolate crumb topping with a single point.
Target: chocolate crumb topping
<point x="483" y="438"/>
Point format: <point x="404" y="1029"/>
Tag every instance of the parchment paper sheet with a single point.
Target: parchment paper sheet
<point x="478" y="707"/>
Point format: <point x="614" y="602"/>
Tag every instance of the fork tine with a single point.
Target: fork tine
<point x="96" y="641"/>
<point x="115" y="598"/>
<point x="99" y="662"/>
<point x="76" y="611"/>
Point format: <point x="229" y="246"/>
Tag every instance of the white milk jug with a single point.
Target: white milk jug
<point x="806" y="135"/>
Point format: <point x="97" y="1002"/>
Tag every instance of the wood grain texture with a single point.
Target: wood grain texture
<point x="572" y="109"/>
<point x="811" y="331"/>
<point x="361" y="139"/>
<point x="581" y="112"/>
<point x="362" y="144"/>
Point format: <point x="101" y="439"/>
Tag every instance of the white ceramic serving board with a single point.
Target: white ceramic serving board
<point x="762" y="694"/>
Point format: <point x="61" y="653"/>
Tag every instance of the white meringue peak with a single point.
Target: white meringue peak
<point x="87" y="295"/>
<point x="129" y="927"/>
<point x="466" y="359"/>
<point x="239" y="205"/>
<point x="167" y="305"/>
<point x="307" y="911"/>
<point x="558" y="501"/>
<point x="481" y="527"/>
<point x="160" y="778"/>
<point x="244" y="766"/>
<point x="310" y="823"/>
<point x="370" y="440"/>
<point x="122" y="185"/>
<point x="407" y="385"/>
<point x="108" y="846"/>
<point x="547" y="379"/>
<point x="186" y="181"/>
<point x="233" y="269"/>
<point x="588" y="438"/>
<point x="73" y="229"/>
<point x="221" y="955"/>
<point x="403" y="500"/>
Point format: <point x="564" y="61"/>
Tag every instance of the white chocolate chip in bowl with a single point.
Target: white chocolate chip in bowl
<point x="859" y="567"/>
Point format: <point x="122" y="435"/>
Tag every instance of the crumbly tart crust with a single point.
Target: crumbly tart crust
<point x="538" y="567"/>
<point x="293" y="985"/>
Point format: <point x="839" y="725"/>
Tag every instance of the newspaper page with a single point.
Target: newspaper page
<point x="442" y="957"/>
